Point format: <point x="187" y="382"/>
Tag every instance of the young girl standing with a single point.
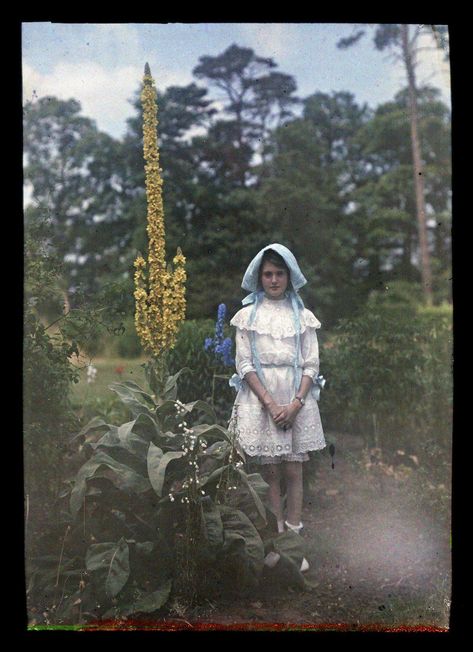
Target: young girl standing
<point x="277" y="362"/>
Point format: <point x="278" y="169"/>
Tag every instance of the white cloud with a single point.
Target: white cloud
<point x="276" y="40"/>
<point x="432" y="69"/>
<point x="104" y="94"/>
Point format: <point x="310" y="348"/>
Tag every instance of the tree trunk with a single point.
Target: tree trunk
<point x="418" y="171"/>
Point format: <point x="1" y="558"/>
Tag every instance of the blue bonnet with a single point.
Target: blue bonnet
<point x="250" y="278"/>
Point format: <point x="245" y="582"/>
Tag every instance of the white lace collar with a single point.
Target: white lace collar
<point x="274" y="317"/>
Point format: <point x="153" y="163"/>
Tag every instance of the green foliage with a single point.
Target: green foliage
<point x="47" y="373"/>
<point x="161" y="508"/>
<point x="335" y="185"/>
<point x="390" y="376"/>
<point x="207" y="378"/>
<point x="128" y="345"/>
<point x="48" y="351"/>
<point x="77" y="176"/>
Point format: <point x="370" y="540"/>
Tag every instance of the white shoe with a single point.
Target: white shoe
<point x="272" y="559"/>
<point x="304" y="566"/>
<point x="295" y="528"/>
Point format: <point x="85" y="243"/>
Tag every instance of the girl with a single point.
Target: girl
<point x="277" y="362"/>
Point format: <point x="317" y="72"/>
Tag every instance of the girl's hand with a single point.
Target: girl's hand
<point x="290" y="412"/>
<point x="276" y="411"/>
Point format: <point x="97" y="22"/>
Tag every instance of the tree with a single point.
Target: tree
<point x="399" y="39"/>
<point x="254" y="98"/>
<point x="302" y="197"/>
<point x="383" y="200"/>
<point x="338" y="189"/>
<point x="77" y="179"/>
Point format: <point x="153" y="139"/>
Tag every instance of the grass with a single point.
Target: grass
<point x="107" y="373"/>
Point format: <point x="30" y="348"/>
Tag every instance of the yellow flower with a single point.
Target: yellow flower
<point x="160" y="304"/>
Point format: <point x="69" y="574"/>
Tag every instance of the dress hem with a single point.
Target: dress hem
<point x="308" y="450"/>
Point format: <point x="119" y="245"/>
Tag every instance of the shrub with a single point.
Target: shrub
<point x="209" y="377"/>
<point x="389" y="375"/>
<point x="47" y="413"/>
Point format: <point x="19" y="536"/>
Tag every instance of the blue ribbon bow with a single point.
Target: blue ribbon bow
<point x="319" y="383"/>
<point x="236" y="382"/>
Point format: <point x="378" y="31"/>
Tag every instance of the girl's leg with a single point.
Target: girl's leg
<point x="272" y="475"/>
<point x="294" y="488"/>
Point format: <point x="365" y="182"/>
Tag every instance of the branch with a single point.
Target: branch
<point x="58" y="319"/>
<point x="345" y="43"/>
<point x="415" y="37"/>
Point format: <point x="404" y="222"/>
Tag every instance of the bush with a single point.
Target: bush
<point x="389" y="375"/>
<point x="47" y="413"/>
<point x="200" y="382"/>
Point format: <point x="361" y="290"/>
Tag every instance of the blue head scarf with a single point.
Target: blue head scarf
<point x="251" y="277"/>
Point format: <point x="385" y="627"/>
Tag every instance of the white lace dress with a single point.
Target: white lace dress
<point x="275" y="340"/>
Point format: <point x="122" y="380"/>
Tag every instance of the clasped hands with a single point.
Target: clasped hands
<point x="283" y="415"/>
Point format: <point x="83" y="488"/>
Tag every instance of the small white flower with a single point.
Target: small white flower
<point x="91" y="373"/>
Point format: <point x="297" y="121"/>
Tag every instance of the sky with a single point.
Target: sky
<point x="101" y="65"/>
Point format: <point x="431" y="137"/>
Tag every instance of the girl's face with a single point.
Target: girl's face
<point x="274" y="280"/>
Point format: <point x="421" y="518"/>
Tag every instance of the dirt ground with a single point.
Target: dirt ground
<point x="379" y="560"/>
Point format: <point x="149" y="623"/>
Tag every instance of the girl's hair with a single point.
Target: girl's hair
<point x="271" y="256"/>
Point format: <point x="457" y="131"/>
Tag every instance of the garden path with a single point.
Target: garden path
<point x="380" y="558"/>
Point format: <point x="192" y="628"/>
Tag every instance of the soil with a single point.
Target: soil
<point x="379" y="558"/>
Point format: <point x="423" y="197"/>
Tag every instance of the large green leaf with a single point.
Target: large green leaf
<point x="157" y="464"/>
<point x="211" y="431"/>
<point x="170" y="387"/>
<point x="218" y="450"/>
<point x="242" y="538"/>
<point x="155" y="455"/>
<point x="139" y="390"/>
<point x="113" y="560"/>
<point x="93" y="424"/>
<point x="120" y="474"/>
<point x="146" y="425"/>
<point x="213" y="526"/>
<point x="131" y="398"/>
<point x="123" y="436"/>
<point x="211" y="477"/>
<point x="291" y="547"/>
<point x="254" y="482"/>
<point x="201" y="406"/>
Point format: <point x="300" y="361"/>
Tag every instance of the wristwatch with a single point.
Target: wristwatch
<point x="300" y="399"/>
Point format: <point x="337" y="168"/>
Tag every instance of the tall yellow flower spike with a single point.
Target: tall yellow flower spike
<point x="160" y="304"/>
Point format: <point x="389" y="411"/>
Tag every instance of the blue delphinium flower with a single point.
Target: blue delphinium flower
<point x="222" y="347"/>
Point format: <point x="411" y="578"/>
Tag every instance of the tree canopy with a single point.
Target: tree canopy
<point x="246" y="162"/>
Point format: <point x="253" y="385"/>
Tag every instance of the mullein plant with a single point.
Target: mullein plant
<point x="160" y="304"/>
